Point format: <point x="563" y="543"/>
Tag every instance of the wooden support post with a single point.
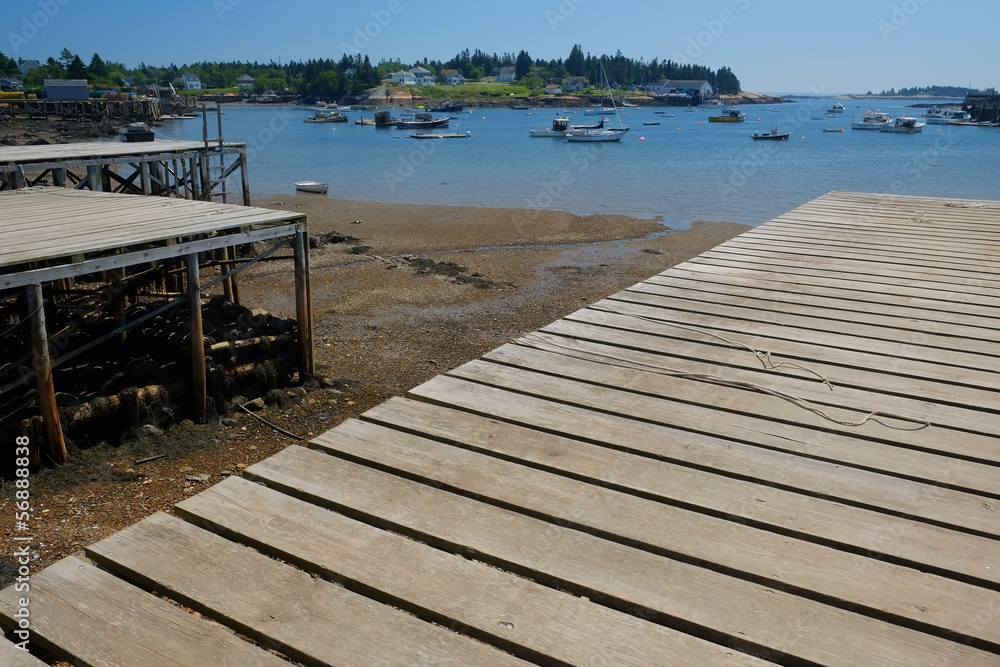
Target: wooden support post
<point x="59" y="178"/>
<point x="43" y="375"/>
<point x="194" y="178"/>
<point x="206" y="185"/>
<point x="177" y="179"/>
<point x="245" y="175"/>
<point x="17" y="178"/>
<point x="229" y="284"/>
<point x="303" y="304"/>
<point x="144" y="178"/>
<point x="94" y="178"/>
<point x="199" y="382"/>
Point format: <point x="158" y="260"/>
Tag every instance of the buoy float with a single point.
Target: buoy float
<point x="642" y="138"/>
<point x="699" y="122"/>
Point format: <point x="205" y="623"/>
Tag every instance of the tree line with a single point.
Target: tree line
<point x="354" y="74"/>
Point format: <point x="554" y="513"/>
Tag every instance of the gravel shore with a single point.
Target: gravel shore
<point x="411" y="293"/>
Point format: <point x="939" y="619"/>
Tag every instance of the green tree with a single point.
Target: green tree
<point x="76" y="69"/>
<point x="328" y="84"/>
<point x="522" y="65"/>
<point x="576" y="64"/>
<point x="97" y="68"/>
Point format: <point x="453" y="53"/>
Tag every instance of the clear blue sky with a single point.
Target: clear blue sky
<point x="771" y="45"/>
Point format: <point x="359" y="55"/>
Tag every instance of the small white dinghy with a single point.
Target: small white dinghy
<point x="312" y="186"/>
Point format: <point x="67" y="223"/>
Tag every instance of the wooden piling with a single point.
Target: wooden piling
<point x="303" y="305"/>
<point x="43" y="375"/>
<point x="199" y="383"/>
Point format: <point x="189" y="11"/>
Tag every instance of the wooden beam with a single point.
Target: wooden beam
<point x="303" y="306"/>
<point x="245" y="176"/>
<point x="43" y="375"/>
<point x="199" y="383"/>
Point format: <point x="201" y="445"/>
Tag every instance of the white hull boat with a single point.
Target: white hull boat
<point x="312" y="186"/>
<point x="905" y="125"/>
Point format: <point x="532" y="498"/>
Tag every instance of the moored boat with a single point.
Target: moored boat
<point x="837" y="108"/>
<point x="422" y="120"/>
<point x="327" y="117"/>
<point x="558" y="129"/>
<point x="773" y="135"/>
<point x="609" y="134"/>
<point x="872" y="120"/>
<point x="728" y="114"/>
<point x="441" y="135"/>
<point x="942" y="116"/>
<point x="448" y="106"/>
<point x="905" y="125"/>
<point x="312" y="186"/>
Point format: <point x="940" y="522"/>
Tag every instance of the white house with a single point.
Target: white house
<point x="453" y="77"/>
<point x="679" y="88"/>
<point x="553" y="89"/>
<point x="245" y="81"/>
<point x="191" y="81"/>
<point x="423" y="76"/>
<point x="350" y="72"/>
<point x="403" y="77"/>
<point x="506" y="74"/>
<point x="575" y="84"/>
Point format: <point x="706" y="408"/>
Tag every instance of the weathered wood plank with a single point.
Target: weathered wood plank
<point x="705" y="602"/>
<point x="498" y="607"/>
<point x="308" y="619"/>
<point x="90" y="617"/>
<point x="11" y="656"/>
<point x="869" y="586"/>
<point x="793" y="495"/>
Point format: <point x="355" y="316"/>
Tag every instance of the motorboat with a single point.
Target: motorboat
<point x="837" y="108"/>
<point x="773" y="135"/>
<point x="728" y="114"/>
<point x="327" y="117"/>
<point x="558" y="129"/>
<point x="422" y="120"/>
<point x="942" y="116"/>
<point x="441" y="135"/>
<point x="448" y="107"/>
<point x="136" y="132"/>
<point x="905" y="125"/>
<point x="872" y="120"/>
<point x="312" y="186"/>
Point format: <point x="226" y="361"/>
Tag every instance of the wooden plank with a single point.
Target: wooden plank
<point x="88" y="617"/>
<point x="866" y="585"/>
<point x="11" y="656"/>
<point x="798" y="496"/>
<point x="497" y="607"/>
<point x="937" y="397"/>
<point x="715" y="396"/>
<point x="856" y="336"/>
<point x="898" y="375"/>
<point x="42" y="364"/>
<point x="875" y="236"/>
<point x="718" y="277"/>
<point x="704" y="602"/>
<point x="263" y="599"/>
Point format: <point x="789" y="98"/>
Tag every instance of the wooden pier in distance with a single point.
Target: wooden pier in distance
<point x="183" y="169"/>
<point x="145" y="109"/>
<point x="784" y="451"/>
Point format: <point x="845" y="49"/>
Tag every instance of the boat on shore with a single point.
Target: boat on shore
<point x="312" y="186"/>
<point x="728" y="114"/>
<point x="773" y="135"/>
<point x="872" y="120"/>
<point x="905" y="125"/>
<point x="422" y="120"/>
<point x="137" y="132"/>
<point x="558" y="129"/>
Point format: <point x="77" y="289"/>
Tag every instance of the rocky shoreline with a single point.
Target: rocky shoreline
<point x="25" y="132"/>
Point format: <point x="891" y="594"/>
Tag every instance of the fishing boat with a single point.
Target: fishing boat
<point x="558" y="129"/>
<point x="837" y="108"/>
<point x="833" y="129"/>
<point x="942" y="116"/>
<point x="422" y="120"/>
<point x="441" y="135"/>
<point x="773" y="135"/>
<point x="136" y="132"/>
<point x="872" y="120"/>
<point x="654" y="122"/>
<point x="326" y="117"/>
<point x="448" y="106"/>
<point x="728" y="114"/>
<point x="905" y="125"/>
<point x="519" y="107"/>
<point x="312" y="186"/>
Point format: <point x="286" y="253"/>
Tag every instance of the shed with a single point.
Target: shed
<point x="66" y="89"/>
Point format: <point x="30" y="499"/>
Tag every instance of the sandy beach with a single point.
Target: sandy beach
<point x="417" y="291"/>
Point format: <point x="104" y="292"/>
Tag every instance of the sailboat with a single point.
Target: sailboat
<point x="600" y="133"/>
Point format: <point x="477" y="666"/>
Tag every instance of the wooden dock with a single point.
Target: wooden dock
<point x="783" y="451"/>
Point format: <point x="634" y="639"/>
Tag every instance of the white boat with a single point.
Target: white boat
<point x="940" y="116"/>
<point x="837" y="108"/>
<point x="600" y="133"/>
<point x="312" y="186"/>
<point x="872" y="120"/>
<point x="905" y="125"/>
<point x="558" y="129"/>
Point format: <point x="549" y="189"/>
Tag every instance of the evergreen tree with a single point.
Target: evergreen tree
<point x="576" y="64"/>
<point x="76" y="69"/>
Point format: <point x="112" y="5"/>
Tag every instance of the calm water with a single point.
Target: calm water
<point x="684" y="169"/>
